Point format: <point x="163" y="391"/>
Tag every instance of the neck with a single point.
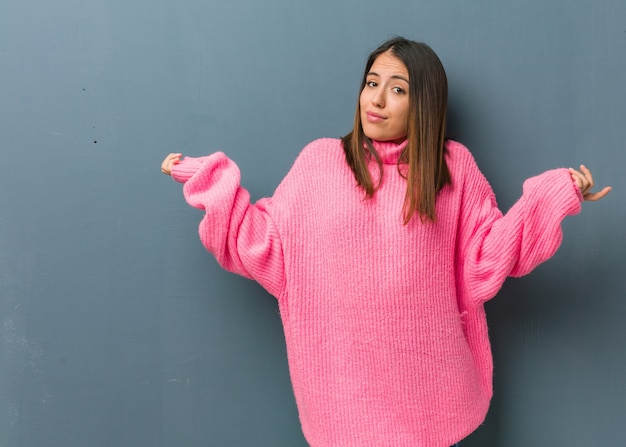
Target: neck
<point x="389" y="151"/>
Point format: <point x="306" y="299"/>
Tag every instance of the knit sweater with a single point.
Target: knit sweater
<point x="384" y="323"/>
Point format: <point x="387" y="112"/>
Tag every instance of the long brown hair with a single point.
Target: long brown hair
<point x="425" y="151"/>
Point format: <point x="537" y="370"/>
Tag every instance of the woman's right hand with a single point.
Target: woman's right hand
<point x="169" y="162"/>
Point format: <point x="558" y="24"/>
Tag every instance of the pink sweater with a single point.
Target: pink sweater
<point x="384" y="323"/>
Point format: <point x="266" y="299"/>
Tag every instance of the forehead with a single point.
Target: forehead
<point x="388" y="64"/>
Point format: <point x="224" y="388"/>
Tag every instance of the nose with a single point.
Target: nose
<point x="378" y="98"/>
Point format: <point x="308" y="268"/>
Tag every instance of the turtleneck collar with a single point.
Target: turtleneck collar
<point x="388" y="151"/>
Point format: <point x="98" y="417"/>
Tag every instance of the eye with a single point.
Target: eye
<point x="371" y="84"/>
<point x="399" y="90"/>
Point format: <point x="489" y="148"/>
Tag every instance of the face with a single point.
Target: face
<point x="384" y="100"/>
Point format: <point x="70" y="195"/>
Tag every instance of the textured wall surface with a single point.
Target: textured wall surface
<point x="118" y="329"/>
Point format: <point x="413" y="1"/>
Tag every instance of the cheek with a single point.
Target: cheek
<point x="362" y="99"/>
<point x="406" y="118"/>
<point x="402" y="112"/>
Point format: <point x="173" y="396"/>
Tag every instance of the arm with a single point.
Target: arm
<point x="493" y="246"/>
<point x="241" y="235"/>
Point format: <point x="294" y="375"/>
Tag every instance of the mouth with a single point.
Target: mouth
<point x="374" y="117"/>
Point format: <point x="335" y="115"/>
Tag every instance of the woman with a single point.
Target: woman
<point x="381" y="249"/>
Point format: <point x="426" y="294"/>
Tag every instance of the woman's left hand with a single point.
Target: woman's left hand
<point x="584" y="181"/>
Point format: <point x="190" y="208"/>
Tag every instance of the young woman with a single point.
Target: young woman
<point x="381" y="249"/>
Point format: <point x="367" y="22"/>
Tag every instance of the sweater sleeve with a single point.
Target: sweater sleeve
<point x="241" y="235"/>
<point x="494" y="246"/>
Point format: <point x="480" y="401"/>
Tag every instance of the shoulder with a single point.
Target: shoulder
<point x="458" y="154"/>
<point x="460" y="159"/>
<point x="322" y="146"/>
<point x="463" y="167"/>
<point x="314" y="160"/>
<point x="320" y="152"/>
<point x="309" y="174"/>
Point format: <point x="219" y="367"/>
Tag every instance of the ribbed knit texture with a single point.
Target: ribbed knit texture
<point x="384" y="322"/>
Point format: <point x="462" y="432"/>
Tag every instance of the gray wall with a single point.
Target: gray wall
<point x="118" y="329"/>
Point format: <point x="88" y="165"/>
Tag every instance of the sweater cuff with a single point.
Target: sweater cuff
<point x="560" y="191"/>
<point x="577" y="205"/>
<point x="579" y="193"/>
<point x="186" y="168"/>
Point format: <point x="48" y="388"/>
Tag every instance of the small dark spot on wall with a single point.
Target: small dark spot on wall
<point x="94" y="141"/>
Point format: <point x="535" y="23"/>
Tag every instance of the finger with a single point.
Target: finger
<point x="593" y="197"/>
<point x="171" y="159"/>
<point x="584" y="183"/>
<point x="587" y="174"/>
<point x="578" y="178"/>
<point x="165" y="161"/>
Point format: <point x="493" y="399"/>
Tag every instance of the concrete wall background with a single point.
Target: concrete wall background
<point x="118" y="329"/>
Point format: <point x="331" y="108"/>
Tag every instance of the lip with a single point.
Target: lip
<point x="374" y="117"/>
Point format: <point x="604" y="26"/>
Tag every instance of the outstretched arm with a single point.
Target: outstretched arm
<point x="494" y="246"/>
<point x="242" y="236"/>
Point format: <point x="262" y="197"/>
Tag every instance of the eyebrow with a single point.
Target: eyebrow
<point x="373" y="73"/>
